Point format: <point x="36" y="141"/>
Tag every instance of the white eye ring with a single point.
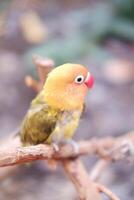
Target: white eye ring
<point x="79" y="79"/>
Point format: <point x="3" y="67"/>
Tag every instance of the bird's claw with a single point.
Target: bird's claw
<point x="75" y="146"/>
<point x="55" y="147"/>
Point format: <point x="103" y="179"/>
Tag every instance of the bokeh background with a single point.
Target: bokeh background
<point x="96" y="33"/>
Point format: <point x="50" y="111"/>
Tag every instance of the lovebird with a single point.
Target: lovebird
<point x="54" y="114"/>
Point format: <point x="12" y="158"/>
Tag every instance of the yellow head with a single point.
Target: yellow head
<point x="66" y="86"/>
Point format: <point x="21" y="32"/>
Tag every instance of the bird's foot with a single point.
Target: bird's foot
<point x="74" y="145"/>
<point x="55" y="147"/>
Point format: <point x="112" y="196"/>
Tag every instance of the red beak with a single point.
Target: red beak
<point x="90" y="81"/>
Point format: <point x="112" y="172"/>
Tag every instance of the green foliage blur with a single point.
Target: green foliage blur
<point x="126" y="9"/>
<point x="81" y="31"/>
<point x="114" y="19"/>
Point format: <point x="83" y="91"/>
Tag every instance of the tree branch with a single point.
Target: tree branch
<point x="43" y="67"/>
<point x="109" y="148"/>
<point x="77" y="173"/>
<point x="96" y="172"/>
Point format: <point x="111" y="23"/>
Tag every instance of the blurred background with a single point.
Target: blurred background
<point x="96" y="33"/>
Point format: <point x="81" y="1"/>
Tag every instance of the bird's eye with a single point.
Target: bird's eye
<point x="79" y="79"/>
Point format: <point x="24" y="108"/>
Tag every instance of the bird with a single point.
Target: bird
<point x="54" y="113"/>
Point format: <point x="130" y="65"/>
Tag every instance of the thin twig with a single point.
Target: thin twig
<point x="106" y="191"/>
<point x="31" y="83"/>
<point x="98" y="169"/>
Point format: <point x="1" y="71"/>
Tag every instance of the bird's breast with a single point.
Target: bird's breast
<point x="65" y="126"/>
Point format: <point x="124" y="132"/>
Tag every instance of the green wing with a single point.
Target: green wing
<point x="38" y="124"/>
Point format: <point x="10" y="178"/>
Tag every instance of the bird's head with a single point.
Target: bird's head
<point x="66" y="86"/>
